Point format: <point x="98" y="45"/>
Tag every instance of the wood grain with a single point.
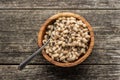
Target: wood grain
<point x="49" y="72"/>
<point x="62" y="4"/>
<point x="19" y="29"/>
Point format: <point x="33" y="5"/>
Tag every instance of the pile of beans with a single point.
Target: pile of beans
<point x="69" y="39"/>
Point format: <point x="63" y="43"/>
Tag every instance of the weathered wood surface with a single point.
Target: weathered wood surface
<point x="20" y="21"/>
<point x="60" y="4"/>
<point x="19" y="28"/>
<point x="50" y="72"/>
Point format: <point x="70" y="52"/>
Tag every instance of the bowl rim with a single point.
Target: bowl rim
<point x="54" y="17"/>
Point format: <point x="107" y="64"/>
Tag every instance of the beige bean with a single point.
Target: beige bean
<point x="54" y="48"/>
<point x="63" y="44"/>
<point x="73" y="37"/>
<point x="59" y="29"/>
<point x="74" y="49"/>
<point x="65" y="61"/>
<point x="87" y="36"/>
<point x="82" y="50"/>
<point x="53" y="32"/>
<point x="59" y="48"/>
<point x="47" y="51"/>
<point x="64" y="18"/>
<point x="49" y="26"/>
<point x="81" y="31"/>
<point x="79" y="22"/>
<point x="77" y="55"/>
<point x="56" y="51"/>
<point x="80" y="44"/>
<point x="46" y="37"/>
<point x="68" y="59"/>
<point x="68" y="44"/>
<point x="67" y="55"/>
<point x="50" y="50"/>
<point x="62" y="38"/>
<point x="72" y="21"/>
<point x="62" y="58"/>
<point x="70" y="55"/>
<point x="68" y="18"/>
<point x="68" y="22"/>
<point x="61" y="54"/>
<point x="50" y="54"/>
<point x="65" y="31"/>
<point x="44" y="41"/>
<point x="84" y="25"/>
<point x="47" y="47"/>
<point x="60" y="42"/>
<point x="55" y="55"/>
<point x="83" y="35"/>
<point x="57" y="33"/>
<point x="61" y="25"/>
<point x="57" y="59"/>
<point x="83" y="45"/>
<point x="73" y="57"/>
<point x="65" y="52"/>
<point x="85" y="30"/>
<point x="73" y="34"/>
<point x="65" y="35"/>
<point x="84" y="40"/>
<point x="47" y="32"/>
<point x="86" y="33"/>
<point x="75" y="28"/>
<point x="57" y="20"/>
<point x="63" y="21"/>
<point x="70" y="40"/>
<point x="60" y="18"/>
<point x="72" y="18"/>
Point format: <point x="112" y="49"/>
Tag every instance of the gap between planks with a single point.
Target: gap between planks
<point x="51" y="64"/>
<point x="59" y="8"/>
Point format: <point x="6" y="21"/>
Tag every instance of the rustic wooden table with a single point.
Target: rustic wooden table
<point x="20" y="21"/>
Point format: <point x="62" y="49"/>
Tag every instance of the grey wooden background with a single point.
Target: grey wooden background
<point x="20" y="22"/>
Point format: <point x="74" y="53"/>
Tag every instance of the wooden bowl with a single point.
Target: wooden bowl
<point x="50" y="21"/>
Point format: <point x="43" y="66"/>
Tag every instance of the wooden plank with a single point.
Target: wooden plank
<point x="53" y="4"/>
<point x="98" y="56"/>
<point x="49" y="72"/>
<point x="19" y="28"/>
